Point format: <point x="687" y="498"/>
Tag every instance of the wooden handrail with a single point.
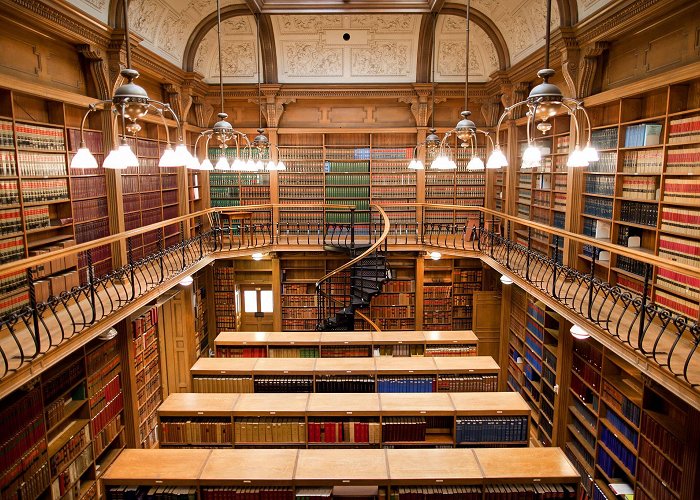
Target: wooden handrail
<point x="371" y="249"/>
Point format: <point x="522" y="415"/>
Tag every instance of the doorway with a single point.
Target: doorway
<point x="257" y="308"/>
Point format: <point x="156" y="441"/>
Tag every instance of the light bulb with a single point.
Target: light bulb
<point x="206" y="165"/>
<point x="259" y="166"/>
<point x="590" y="153"/>
<point x="250" y="165"/>
<point x="506" y="280"/>
<point x="281" y="165"/>
<point x="497" y="159"/>
<point x="83" y="159"/>
<point x="475" y="163"/>
<point x="579" y="333"/>
<point x="577" y="159"/>
<point x="222" y="163"/>
<point x="435" y="255"/>
<point x="257" y="256"/>
<point x="187" y="280"/>
<point x="169" y="158"/>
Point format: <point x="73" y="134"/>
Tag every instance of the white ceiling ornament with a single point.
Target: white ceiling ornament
<point x="346" y="49"/>
<point x="381" y="58"/>
<point x="451" y="46"/>
<point x="521" y="22"/>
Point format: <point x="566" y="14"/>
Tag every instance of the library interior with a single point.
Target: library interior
<point x="352" y="249"/>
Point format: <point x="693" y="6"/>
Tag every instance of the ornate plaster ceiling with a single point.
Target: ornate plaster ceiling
<point x="450" y="43"/>
<point x="383" y="47"/>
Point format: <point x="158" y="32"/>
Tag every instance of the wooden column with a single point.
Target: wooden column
<point x="420" y="279"/>
<point x="486" y="323"/>
<point x="504" y="336"/>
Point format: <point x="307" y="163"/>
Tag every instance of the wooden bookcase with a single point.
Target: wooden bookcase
<point x="395" y="307"/>
<point x="467" y="473"/>
<point x="313" y="344"/>
<point x="381" y="374"/>
<point x="646" y="190"/>
<point x="65" y="427"/>
<point x="315" y="420"/>
<point x="201" y="314"/>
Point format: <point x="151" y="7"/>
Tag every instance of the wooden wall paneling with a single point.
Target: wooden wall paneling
<point x="487" y="323"/>
<point x="504" y="335"/>
<point x="176" y="330"/>
<point x="564" y="359"/>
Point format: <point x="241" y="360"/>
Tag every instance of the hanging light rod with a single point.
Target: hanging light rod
<point x="545" y="101"/>
<point x="129" y="104"/>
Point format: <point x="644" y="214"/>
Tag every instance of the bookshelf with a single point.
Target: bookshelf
<point x="495" y="473"/>
<point x="467" y="277"/>
<point x="395" y="308"/>
<point x="64" y="427"/>
<point x="311" y="344"/>
<point x="145" y="386"/>
<point x="382" y="374"/>
<point x="642" y="189"/>
<point x="332" y="419"/>
<point x="299" y="301"/>
<point x="225" y="298"/>
<point x="437" y="294"/>
<point x="201" y="314"/>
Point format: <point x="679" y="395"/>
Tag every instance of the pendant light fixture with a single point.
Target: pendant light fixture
<point x="222" y="131"/>
<point x="545" y="101"/>
<point x="130" y="103"/>
<point x="432" y="142"/>
<point x="465" y="130"/>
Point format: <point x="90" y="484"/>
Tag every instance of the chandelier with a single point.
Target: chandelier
<point x="465" y="130"/>
<point x="130" y="103"/>
<point x="545" y="101"/>
<point x="223" y="132"/>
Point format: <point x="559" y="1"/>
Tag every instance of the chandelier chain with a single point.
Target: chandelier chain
<point x="221" y="66"/>
<point x="547" y="33"/>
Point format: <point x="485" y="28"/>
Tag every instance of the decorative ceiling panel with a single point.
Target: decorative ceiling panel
<point x="347" y="48"/>
<point x="238" y="44"/>
<point x="450" y="62"/>
<point x="588" y="7"/>
<point x="98" y="9"/>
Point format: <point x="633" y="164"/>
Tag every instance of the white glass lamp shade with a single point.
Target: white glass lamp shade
<point x="497" y="159"/>
<point x="169" y="158"/>
<point x="443" y="162"/>
<point x="590" y="153"/>
<point x="579" y="333"/>
<point x="83" y="159"/>
<point x="250" y="166"/>
<point x="435" y="255"/>
<point x="222" y="163"/>
<point x="187" y="280"/>
<point x="238" y="165"/>
<point x="183" y="155"/>
<point x="281" y="165"/>
<point x="506" y="280"/>
<point x="416" y="164"/>
<point x="475" y="164"/>
<point x="206" y="165"/>
<point x="271" y="165"/>
<point x="257" y="256"/>
<point x="259" y="166"/>
<point x="193" y="164"/>
<point x="577" y="159"/>
<point x="532" y="157"/>
<point x="121" y="157"/>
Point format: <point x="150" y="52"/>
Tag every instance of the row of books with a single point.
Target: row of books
<point x="679" y="249"/>
<point x="12" y="281"/>
<point x="681" y="130"/>
<point x="607" y="163"/>
<point x="88" y="187"/>
<point x="296" y="325"/>
<point x="10" y="221"/>
<point x="394" y="178"/>
<point x="677" y="304"/>
<point x="681" y="190"/>
<point x="92" y="138"/>
<point x="271" y="384"/>
<point x="668" y="488"/>
<point x="643" y="134"/>
<point x="292" y="179"/>
<point x="650" y="161"/>
<point x="200" y="431"/>
<point x="683" y="161"/>
<point x="8" y="167"/>
<point x="384" y="192"/>
<point x="241" y="352"/>
<point x="600" y="184"/>
<point x="639" y="213"/>
<point x="346" y="167"/>
<point x="90" y="209"/>
<point x="586" y="372"/>
<point x="160" y="493"/>
<point x="293" y="352"/>
<point x="631" y="411"/>
<point x="38" y="137"/>
<point x="41" y="164"/>
<point x="492" y="429"/>
<point x="222" y="384"/>
<point x="348" y="431"/>
<point x="301" y="153"/>
<point x="623" y="453"/>
<point x="65" y="481"/>
<point x="44" y="190"/>
<point x="302" y="194"/>
<point x="37" y="217"/>
<point x="598" y="207"/>
<point x="392" y="312"/>
<point x="541" y="198"/>
<point x="70" y="450"/>
<point x="640" y="188"/>
<point x="661" y="438"/>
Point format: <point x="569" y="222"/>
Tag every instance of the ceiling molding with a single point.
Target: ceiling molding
<point x="345" y="6"/>
<point x="426" y="48"/>
<point x="486" y="24"/>
<point x="268" y="49"/>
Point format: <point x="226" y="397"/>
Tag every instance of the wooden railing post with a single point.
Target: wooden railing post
<point x="35" y="313"/>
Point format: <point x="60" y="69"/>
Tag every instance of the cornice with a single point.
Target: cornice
<point x="61" y="18"/>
